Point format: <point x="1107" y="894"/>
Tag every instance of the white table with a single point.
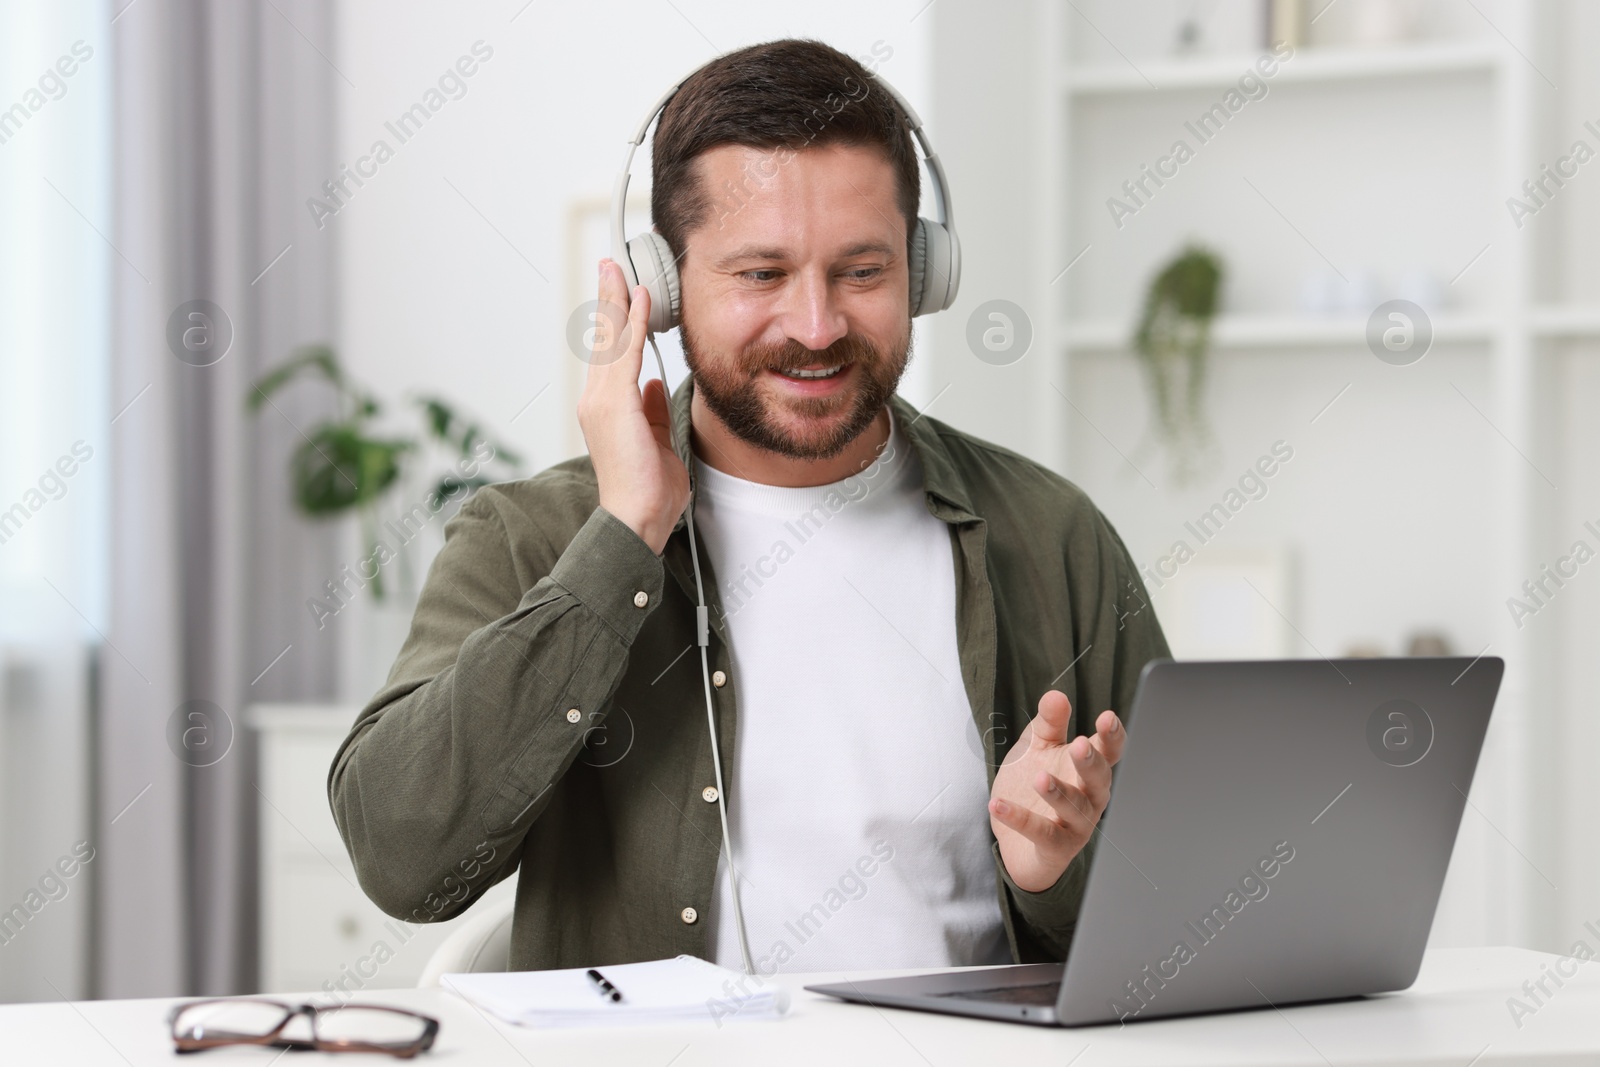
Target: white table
<point x="1455" y="1014"/>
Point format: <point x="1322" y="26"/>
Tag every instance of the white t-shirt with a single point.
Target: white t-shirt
<point x="858" y="792"/>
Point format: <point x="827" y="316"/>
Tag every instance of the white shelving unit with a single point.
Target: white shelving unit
<point x="1495" y="896"/>
<point x="1280" y="332"/>
<point x="1289" y="332"/>
<point x="1332" y="65"/>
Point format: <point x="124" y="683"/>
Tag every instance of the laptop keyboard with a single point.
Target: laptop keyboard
<point x="1043" y="995"/>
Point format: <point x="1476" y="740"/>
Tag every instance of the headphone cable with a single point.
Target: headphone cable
<point x="703" y="637"/>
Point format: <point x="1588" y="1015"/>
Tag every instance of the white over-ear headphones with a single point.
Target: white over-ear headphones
<point x="935" y="258"/>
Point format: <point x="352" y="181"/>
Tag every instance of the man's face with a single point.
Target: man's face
<point x="799" y="267"/>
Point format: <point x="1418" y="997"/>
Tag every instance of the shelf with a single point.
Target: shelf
<point x="1310" y="331"/>
<point x="1307" y="65"/>
<point x="1279" y="331"/>
<point x="1578" y="321"/>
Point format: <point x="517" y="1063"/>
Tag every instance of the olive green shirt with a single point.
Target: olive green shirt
<point x="547" y="710"/>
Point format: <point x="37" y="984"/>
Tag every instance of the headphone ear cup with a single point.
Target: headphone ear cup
<point x="917" y="265"/>
<point x="933" y="284"/>
<point x="656" y="270"/>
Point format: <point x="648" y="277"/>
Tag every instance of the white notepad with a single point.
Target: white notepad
<point x="685" y="988"/>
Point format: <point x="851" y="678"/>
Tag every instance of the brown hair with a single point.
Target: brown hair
<point x="789" y="94"/>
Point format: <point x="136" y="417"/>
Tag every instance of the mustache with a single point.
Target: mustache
<point x="790" y="354"/>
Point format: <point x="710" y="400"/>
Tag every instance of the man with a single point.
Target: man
<point x="889" y="598"/>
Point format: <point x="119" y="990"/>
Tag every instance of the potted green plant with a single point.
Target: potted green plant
<point x="345" y="465"/>
<point x="1172" y="342"/>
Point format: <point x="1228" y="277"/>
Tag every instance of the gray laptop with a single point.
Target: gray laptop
<point x="1278" y="832"/>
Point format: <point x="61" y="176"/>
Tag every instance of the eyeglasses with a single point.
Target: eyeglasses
<point x="204" y="1024"/>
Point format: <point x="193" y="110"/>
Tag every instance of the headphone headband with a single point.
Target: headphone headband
<point x="934" y="248"/>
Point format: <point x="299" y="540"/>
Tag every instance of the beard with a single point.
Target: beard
<point x="732" y="391"/>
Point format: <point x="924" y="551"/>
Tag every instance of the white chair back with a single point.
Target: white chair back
<point x="482" y="943"/>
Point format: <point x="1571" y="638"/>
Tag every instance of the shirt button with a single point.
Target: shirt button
<point x="709" y="794"/>
<point x="719" y="679"/>
<point x="690" y="915"/>
<point x="573" y="715"/>
<point x="641" y="598"/>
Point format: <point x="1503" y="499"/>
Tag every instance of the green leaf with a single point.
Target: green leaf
<point x="339" y="466"/>
<point x="337" y="469"/>
<point x="318" y="358"/>
<point x="439" y="416"/>
<point x="509" y="458"/>
<point x="1173" y="336"/>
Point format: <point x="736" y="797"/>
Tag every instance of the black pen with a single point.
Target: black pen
<point x="605" y="988"/>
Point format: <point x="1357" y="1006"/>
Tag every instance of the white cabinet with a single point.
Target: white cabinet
<point x="319" y="932"/>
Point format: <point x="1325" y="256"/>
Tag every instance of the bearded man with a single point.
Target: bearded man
<point x="904" y="619"/>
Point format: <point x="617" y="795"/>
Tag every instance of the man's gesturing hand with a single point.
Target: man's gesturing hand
<point x="628" y="430"/>
<point x="1049" y="792"/>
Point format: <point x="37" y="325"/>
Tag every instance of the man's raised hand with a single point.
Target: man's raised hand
<point x="1049" y="792"/>
<point x="628" y="430"/>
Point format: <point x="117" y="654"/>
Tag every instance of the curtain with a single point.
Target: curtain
<point x="55" y="176"/>
<point x="223" y="126"/>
